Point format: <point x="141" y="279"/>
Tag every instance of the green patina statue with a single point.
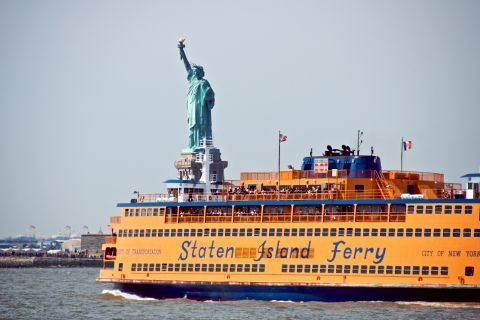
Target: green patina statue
<point x="200" y="101"/>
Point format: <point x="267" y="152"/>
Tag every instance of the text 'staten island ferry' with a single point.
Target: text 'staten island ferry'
<point x="339" y="229"/>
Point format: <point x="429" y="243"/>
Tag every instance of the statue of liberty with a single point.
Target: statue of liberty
<point x="200" y="101"/>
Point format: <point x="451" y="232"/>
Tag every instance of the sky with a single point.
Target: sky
<point x="93" y="93"/>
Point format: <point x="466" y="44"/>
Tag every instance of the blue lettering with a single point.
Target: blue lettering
<point x="185" y="245"/>
<point x="335" y="250"/>
<point x="379" y="256"/>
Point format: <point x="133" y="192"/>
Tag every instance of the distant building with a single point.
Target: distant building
<point x="71" y="245"/>
<point x="91" y="244"/>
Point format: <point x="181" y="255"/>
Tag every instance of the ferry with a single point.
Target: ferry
<point x="338" y="229"/>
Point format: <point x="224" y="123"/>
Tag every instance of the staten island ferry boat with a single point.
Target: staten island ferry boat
<point x="339" y="229"/>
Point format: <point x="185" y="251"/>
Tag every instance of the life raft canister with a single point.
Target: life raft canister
<point x="141" y="198"/>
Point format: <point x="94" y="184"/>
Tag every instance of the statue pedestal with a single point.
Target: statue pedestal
<point x="188" y="167"/>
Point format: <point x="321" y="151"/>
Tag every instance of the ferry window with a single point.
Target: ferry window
<point x="204" y="267"/>
<point x="309" y="232"/>
<point x="438" y="209"/>
<point x="256" y="232"/>
<point x="338" y="268"/>
<point x="301" y="232"/>
<point x="254" y="267"/>
<point x="120" y="233"/>
<point x="206" y="232"/>
<point x="323" y="268"/>
<point x="434" y="271"/>
<point x="166" y="233"/>
<point x="366" y="232"/>
<point x="347" y="269"/>
<point x="416" y="270"/>
<point x="359" y="188"/>
<point x="241" y="232"/>
<point x="160" y="232"/>
<point x="371" y="269"/>
<point x="264" y="232"/>
<point x="444" y="271"/>
<point x="197" y="267"/>
<point x="232" y="268"/>
<point x="448" y="209"/>
<point x="157" y="267"/>
<point x="145" y="267"/>
<point x="406" y="270"/>
<point x="279" y="232"/>
<point x="164" y="267"/>
<point x="161" y="212"/>
<point x="409" y="232"/>
<point x="333" y="232"/>
<point x="456" y="233"/>
<point x="126" y="212"/>
<point x="427" y="233"/>
<point x="130" y="233"/>
<point x="374" y="232"/>
<point x="315" y="268"/>
<point x="249" y="232"/>
<point x="139" y="267"/>
<point x="425" y="270"/>
<point x="318" y="232"/>
<point x="247" y="268"/>
<point x="341" y="232"/>
<point x="125" y="233"/>
<point x="262" y="268"/>
<point x="363" y="269"/>
<point x="419" y="209"/>
<point x="284" y="268"/>
<point x="391" y="232"/>
<point x="446" y="232"/>
<point x="381" y="270"/>
<point x="179" y="232"/>
<point x="147" y="233"/>
<point x="307" y="268"/>
<point x="468" y="209"/>
<point x="286" y="232"/>
<point x="173" y="232"/>
<point x="467" y="233"/>
<point x="144" y="212"/>
<point x="151" y="267"/>
<point x="349" y="232"/>
<point x="325" y="232"/>
<point x="398" y="269"/>
<point x="428" y="209"/>
<point x="137" y="212"/>
<point x="299" y="268"/>
<point x="213" y="232"/>
<point x="120" y="266"/>
<point x="225" y="267"/>
<point x="271" y="232"/>
<point x="389" y="269"/>
<point x="133" y="267"/>
<point x="199" y="232"/>
<point x="211" y="267"/>
<point x="330" y="268"/>
<point x="227" y="232"/>
<point x="355" y="269"/>
<point x="469" y="271"/>
<point x="135" y="233"/>
<point x="234" y="232"/>
<point x="142" y="233"/>
<point x="240" y="268"/>
<point x="398" y="208"/>
<point x="436" y="232"/>
<point x="149" y="212"/>
<point x="155" y="212"/>
<point x="410" y="209"/>
<point x="383" y="232"/>
<point x="294" y="232"/>
<point x="170" y="267"/>
<point x="418" y="232"/>
<point x="220" y="232"/>
<point x="154" y="232"/>
<point x="476" y="233"/>
<point x="458" y="209"/>
<point x="184" y="267"/>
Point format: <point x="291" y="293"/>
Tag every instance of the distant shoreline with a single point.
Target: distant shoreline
<point x="44" y="262"/>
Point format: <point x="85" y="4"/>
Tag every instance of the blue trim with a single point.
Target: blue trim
<point x="300" y="293"/>
<point x="471" y="175"/>
<point x="297" y="202"/>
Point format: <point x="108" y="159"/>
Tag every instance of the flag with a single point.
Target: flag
<point x="407" y="145"/>
<point x="282" y="138"/>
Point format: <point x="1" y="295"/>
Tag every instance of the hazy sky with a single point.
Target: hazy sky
<point x="92" y="93"/>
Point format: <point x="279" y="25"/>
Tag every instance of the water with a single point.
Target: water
<point x="63" y="293"/>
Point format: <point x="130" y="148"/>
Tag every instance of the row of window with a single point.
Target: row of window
<point x="439" y="209"/>
<point x="364" y="269"/>
<point x="194" y="267"/>
<point x="309" y="232"/>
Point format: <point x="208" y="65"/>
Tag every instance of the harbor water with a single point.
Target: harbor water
<point x="72" y="293"/>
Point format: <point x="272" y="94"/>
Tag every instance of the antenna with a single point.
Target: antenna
<point x="359" y="141"/>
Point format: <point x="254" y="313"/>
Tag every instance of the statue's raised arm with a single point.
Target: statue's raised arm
<point x="183" y="56"/>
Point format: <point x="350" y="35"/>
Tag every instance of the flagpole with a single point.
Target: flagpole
<point x="401" y="156"/>
<point x="279" y="164"/>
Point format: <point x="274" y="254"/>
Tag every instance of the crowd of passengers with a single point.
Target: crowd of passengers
<point x="221" y="212"/>
<point x="284" y="189"/>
